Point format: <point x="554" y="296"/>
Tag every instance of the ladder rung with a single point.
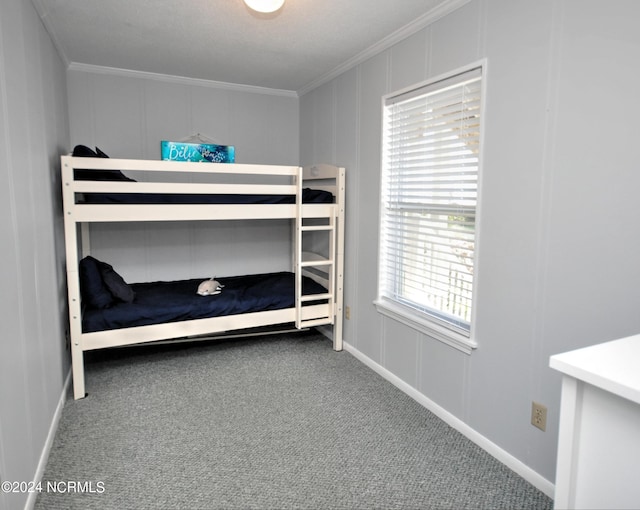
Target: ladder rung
<point x="311" y="263"/>
<point x="315" y="322"/>
<point x="317" y="228"/>
<point x="315" y="297"/>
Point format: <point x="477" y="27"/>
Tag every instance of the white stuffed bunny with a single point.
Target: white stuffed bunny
<point x="210" y="287"/>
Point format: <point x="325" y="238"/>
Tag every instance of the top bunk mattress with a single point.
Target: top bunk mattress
<point x="309" y="196"/>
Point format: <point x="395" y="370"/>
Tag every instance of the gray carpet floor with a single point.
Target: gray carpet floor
<point x="275" y="422"/>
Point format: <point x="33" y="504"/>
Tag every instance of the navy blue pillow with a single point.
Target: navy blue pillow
<point x="94" y="292"/>
<point x="82" y="151"/>
<point x="115" y="283"/>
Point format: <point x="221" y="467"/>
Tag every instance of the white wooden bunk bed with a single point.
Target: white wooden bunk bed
<point x="87" y="201"/>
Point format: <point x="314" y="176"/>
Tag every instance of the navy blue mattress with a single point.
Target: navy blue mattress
<point x="308" y="196"/>
<point x="161" y="302"/>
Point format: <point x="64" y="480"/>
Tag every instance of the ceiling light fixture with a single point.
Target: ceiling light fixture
<point x="264" y="5"/>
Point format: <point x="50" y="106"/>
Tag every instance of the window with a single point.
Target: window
<point x="431" y="154"/>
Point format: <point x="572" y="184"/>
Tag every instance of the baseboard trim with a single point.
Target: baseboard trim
<point x="44" y="456"/>
<point x="531" y="476"/>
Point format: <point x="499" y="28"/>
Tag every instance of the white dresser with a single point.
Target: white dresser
<point x="598" y="462"/>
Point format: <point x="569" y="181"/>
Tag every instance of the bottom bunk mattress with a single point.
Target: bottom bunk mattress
<point x="162" y="302"/>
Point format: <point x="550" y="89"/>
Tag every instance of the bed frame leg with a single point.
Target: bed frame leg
<point x="77" y="362"/>
<point x="337" y="339"/>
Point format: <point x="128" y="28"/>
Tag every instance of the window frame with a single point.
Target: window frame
<point x="424" y="322"/>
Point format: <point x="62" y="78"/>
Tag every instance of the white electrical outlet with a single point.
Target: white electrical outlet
<point x="539" y="416"/>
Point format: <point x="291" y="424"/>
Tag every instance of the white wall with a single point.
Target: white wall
<point x="559" y="247"/>
<point x="33" y="133"/>
<point x="128" y="114"/>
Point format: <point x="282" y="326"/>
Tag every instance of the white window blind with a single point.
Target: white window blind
<point x="431" y="144"/>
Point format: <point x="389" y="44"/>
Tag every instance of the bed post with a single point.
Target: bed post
<point x="339" y="255"/>
<point x="297" y="271"/>
<point x="73" y="282"/>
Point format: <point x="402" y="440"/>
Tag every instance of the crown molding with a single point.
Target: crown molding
<point x="418" y="24"/>
<point x="182" y="80"/>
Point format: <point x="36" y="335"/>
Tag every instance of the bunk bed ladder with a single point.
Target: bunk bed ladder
<point x="308" y="263"/>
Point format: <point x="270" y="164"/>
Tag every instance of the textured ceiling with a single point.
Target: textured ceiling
<point x="224" y="41"/>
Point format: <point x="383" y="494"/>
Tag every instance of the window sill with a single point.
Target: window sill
<point x="415" y="321"/>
